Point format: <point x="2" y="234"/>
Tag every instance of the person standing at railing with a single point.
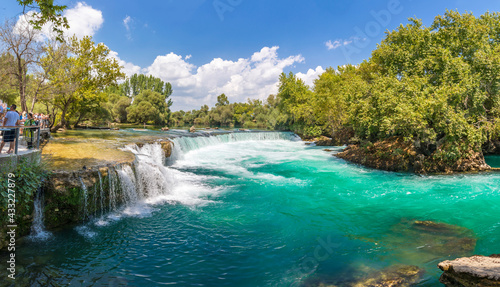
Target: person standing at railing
<point x="28" y="133"/>
<point x="11" y="120"/>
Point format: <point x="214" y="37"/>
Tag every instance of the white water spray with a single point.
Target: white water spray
<point x="38" y="231"/>
<point x="85" y="195"/>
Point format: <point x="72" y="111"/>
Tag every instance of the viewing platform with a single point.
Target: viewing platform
<point x="25" y="147"/>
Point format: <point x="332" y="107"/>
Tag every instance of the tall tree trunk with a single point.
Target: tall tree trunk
<point x="35" y="96"/>
<point x="52" y="115"/>
<point x="82" y="114"/>
<point x="62" y="124"/>
<point x="21" y="77"/>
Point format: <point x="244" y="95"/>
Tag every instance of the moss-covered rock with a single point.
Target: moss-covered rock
<point x="396" y="154"/>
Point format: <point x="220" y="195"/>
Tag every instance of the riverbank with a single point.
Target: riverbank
<point x="395" y="154"/>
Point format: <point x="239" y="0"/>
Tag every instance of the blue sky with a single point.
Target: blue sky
<point x="239" y="47"/>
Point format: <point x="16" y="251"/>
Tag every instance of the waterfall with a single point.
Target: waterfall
<point x="186" y="144"/>
<point x="134" y="188"/>
<point x="101" y="194"/>
<point x="113" y="181"/>
<point x="127" y="183"/>
<point x="38" y="228"/>
<point x="94" y="196"/>
<point x="85" y="194"/>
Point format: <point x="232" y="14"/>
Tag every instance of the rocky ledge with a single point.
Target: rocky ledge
<point x="471" y="271"/>
<point x="394" y="154"/>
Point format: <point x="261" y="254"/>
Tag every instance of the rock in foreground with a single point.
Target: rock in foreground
<point x="392" y="276"/>
<point x="471" y="271"/>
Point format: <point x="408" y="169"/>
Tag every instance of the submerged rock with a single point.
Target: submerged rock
<point x="395" y="275"/>
<point x="471" y="271"/>
<point x="419" y="242"/>
<point x="436" y="238"/>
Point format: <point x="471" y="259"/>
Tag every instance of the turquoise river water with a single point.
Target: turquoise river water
<point x="265" y="211"/>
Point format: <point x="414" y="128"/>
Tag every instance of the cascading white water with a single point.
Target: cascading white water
<point x="94" y="197"/>
<point x="127" y="184"/>
<point x="85" y="195"/>
<point x="186" y="144"/>
<point x="38" y="231"/>
<point x="101" y="194"/>
<point x="148" y="181"/>
<point x="113" y="181"/>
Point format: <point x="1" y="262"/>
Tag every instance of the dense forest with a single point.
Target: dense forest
<point x="436" y="88"/>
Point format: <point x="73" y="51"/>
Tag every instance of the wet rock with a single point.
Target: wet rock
<point x="165" y="129"/>
<point x="192" y="129"/>
<point x="396" y="154"/>
<point x="436" y="238"/>
<point x="167" y="147"/>
<point x="425" y="241"/>
<point x="393" y="154"/>
<point x="324" y="141"/>
<point x="471" y="271"/>
<point x="396" y="275"/>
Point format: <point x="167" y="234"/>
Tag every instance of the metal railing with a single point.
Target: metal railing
<point x="33" y="131"/>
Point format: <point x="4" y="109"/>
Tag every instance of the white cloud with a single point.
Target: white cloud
<point x="187" y="57"/>
<point x="82" y="19"/>
<point x="128" y="68"/>
<point x="332" y="45"/>
<point x="171" y="67"/>
<point x="255" y="77"/>
<point x="311" y="75"/>
<point x="337" y="43"/>
<point x="126" y="22"/>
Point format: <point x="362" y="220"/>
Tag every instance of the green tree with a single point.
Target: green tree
<point x="222" y="100"/>
<point x="149" y="106"/>
<point x="80" y="79"/>
<point x="46" y="12"/>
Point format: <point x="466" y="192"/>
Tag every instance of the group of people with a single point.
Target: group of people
<point x="10" y="119"/>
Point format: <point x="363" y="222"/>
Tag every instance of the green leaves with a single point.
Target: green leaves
<point x="436" y="86"/>
<point x="46" y="12"/>
<point x="148" y="106"/>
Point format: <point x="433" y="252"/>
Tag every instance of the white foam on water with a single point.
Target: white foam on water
<point x="242" y="158"/>
<point x="86" y="231"/>
<point x="148" y="183"/>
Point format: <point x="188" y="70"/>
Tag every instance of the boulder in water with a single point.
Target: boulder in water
<point x="192" y="129"/>
<point x="325" y="141"/>
<point x="471" y="271"/>
<point x="436" y="238"/>
<point x="392" y="276"/>
<point x="397" y="275"/>
<point x="423" y="241"/>
<point x="165" y="129"/>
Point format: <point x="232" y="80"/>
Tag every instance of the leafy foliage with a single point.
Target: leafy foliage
<point x="29" y="176"/>
<point x="149" y="106"/>
<point x="437" y="87"/>
<point x="46" y="12"/>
